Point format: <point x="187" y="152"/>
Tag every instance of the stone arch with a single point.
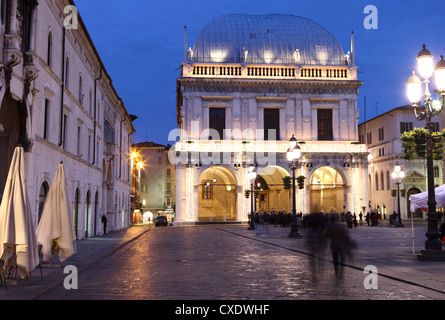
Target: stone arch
<point x="96" y="211"/>
<point x="273" y="196"/>
<point x="327" y="186"/>
<point x="13" y="117"/>
<point x="217" y="194"/>
<point x="43" y="192"/>
<point x="76" y="211"/>
<point x="87" y="213"/>
<point x="417" y="213"/>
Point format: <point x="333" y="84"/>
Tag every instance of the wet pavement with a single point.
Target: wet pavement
<point x="229" y="262"/>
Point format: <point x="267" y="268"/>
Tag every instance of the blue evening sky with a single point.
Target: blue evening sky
<point x="141" y="44"/>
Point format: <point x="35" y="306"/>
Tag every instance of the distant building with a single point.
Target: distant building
<point x="156" y="193"/>
<point x="58" y="102"/>
<point x="382" y="137"/>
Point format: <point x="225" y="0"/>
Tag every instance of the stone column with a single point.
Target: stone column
<point x="180" y="194"/>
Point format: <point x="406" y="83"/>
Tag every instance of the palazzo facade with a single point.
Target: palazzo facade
<point x="57" y="100"/>
<point x="248" y="84"/>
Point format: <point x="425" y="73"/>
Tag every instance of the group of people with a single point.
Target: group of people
<point x="263" y="219"/>
<point x="320" y="229"/>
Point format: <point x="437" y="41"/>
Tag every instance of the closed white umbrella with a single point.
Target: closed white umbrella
<point x="56" y="229"/>
<point x="17" y="231"/>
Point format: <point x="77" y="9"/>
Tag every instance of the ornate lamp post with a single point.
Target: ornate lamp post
<point x="293" y="155"/>
<point x="252" y="177"/>
<point x="433" y="246"/>
<point x="398" y="175"/>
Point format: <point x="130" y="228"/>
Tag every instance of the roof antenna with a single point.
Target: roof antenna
<point x="185" y="43"/>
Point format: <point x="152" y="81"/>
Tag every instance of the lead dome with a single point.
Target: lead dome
<point x="266" y="39"/>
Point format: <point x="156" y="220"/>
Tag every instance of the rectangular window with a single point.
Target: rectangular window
<point x="324" y="121"/>
<point x="369" y="138"/>
<point x="168" y="186"/>
<point x="435" y="127"/>
<point x="46" y="120"/>
<point x="271" y="124"/>
<point x="217" y="121"/>
<point x="406" y="126"/>
<point x="381" y="134"/>
<point x="207" y="189"/>
<point x="168" y="173"/>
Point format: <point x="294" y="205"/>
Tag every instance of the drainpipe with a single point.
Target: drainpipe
<point x="95" y="108"/>
<point x="62" y="87"/>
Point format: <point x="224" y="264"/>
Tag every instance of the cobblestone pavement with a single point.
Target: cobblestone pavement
<point x="224" y="262"/>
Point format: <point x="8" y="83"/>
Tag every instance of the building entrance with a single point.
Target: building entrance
<point x="217" y="195"/>
<point x="327" y="191"/>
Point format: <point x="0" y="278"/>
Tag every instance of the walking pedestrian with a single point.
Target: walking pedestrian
<point x="442" y="232"/>
<point x="266" y="219"/>
<point x="316" y="240"/>
<point x="256" y="220"/>
<point x="349" y="220"/>
<point x="104" y="221"/>
<point x="341" y="245"/>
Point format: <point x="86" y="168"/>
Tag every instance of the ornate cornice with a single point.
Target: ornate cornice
<point x="217" y="98"/>
<point x="324" y="100"/>
<point x="259" y="86"/>
<point x="271" y="99"/>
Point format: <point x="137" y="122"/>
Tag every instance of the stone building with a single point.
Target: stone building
<point x="58" y="102"/>
<point x="382" y="137"/>
<point x="247" y="85"/>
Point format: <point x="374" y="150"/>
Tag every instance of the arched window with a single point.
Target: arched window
<point x="376" y="181"/>
<point x="387" y="180"/>
<point x="382" y="181"/>
<point x="44" y="188"/>
<point x="49" y="52"/>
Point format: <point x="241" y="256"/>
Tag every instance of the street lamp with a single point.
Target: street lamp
<point x="252" y="176"/>
<point x="398" y="174"/>
<point x="293" y="155"/>
<point x="433" y="246"/>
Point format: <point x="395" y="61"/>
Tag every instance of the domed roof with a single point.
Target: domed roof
<point x="272" y="38"/>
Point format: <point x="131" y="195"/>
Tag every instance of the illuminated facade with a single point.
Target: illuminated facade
<point x="382" y="138"/>
<point x="247" y="85"/>
<point x="58" y="102"/>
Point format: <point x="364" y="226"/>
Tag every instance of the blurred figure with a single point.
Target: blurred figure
<point x="256" y="220"/>
<point x="266" y="219"/>
<point x="341" y="244"/>
<point x="442" y="233"/>
<point x="316" y="240"/>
